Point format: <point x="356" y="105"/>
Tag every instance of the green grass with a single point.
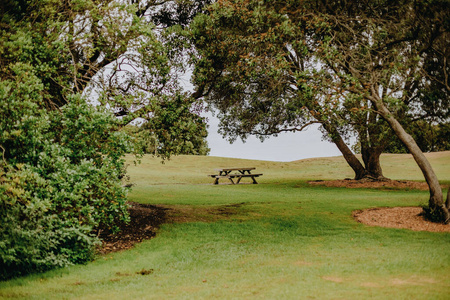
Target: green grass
<point x="284" y="240"/>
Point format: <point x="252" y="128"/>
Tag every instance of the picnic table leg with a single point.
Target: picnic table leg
<point x="231" y="179"/>
<point x="216" y="181"/>
<point x="254" y="180"/>
<point x="239" y="179"/>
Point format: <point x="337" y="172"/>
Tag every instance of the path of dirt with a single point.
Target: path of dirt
<point x="146" y="219"/>
<point x="393" y="217"/>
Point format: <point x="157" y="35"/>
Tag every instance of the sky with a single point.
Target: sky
<point x="285" y="147"/>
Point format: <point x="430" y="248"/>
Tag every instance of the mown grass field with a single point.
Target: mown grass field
<point x="280" y="239"/>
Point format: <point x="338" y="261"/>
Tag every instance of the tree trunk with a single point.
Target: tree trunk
<point x="352" y="160"/>
<point x="371" y="147"/>
<point x="436" y="203"/>
<point x="371" y="158"/>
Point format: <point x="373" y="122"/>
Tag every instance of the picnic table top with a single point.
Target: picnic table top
<point x="235" y="169"/>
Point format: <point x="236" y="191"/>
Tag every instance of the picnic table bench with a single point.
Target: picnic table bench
<point x="239" y="174"/>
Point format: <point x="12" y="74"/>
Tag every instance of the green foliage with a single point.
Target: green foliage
<point x="62" y="164"/>
<point x="178" y="129"/>
<point x="429" y="137"/>
<point x="173" y="129"/>
<point x="33" y="237"/>
<point x="145" y="141"/>
<point x="83" y="47"/>
<point x="250" y="65"/>
<point x="433" y="214"/>
<point x="60" y="178"/>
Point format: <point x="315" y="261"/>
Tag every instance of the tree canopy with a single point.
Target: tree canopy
<point x="127" y="56"/>
<point x="354" y="67"/>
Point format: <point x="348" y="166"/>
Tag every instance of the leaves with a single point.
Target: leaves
<point x="62" y="166"/>
<point x="271" y="66"/>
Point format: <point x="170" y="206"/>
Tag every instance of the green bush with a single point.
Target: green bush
<point x="60" y="179"/>
<point x="33" y="238"/>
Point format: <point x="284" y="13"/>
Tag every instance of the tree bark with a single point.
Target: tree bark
<point x="371" y="147"/>
<point x="436" y="202"/>
<point x="371" y="159"/>
<point x="352" y="160"/>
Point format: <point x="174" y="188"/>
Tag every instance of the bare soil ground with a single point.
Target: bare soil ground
<point x="398" y="217"/>
<point x="144" y="222"/>
<point x="146" y="219"/>
<point x="367" y="183"/>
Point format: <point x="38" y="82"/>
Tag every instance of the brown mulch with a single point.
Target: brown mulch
<point x="376" y="184"/>
<point x="398" y="217"/>
<point x="146" y="219"/>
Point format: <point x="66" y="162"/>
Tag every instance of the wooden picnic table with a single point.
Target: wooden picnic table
<point x="239" y="174"/>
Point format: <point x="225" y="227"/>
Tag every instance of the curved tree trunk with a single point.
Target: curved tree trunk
<point x="436" y="202"/>
<point x="351" y="159"/>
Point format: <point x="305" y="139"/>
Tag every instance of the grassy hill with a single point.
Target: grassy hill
<point x="193" y="169"/>
<point x="280" y="239"/>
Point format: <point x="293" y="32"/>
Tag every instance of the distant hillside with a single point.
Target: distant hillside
<point x="194" y="169"/>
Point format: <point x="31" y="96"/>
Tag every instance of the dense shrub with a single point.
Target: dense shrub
<point x="33" y="237"/>
<point x="60" y="180"/>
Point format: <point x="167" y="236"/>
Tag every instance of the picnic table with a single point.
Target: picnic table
<point x="239" y="173"/>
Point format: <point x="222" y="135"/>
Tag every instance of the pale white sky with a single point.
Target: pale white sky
<point x="284" y="147"/>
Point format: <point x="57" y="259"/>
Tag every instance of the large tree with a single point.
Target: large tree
<point x="257" y="70"/>
<point x="362" y="67"/>
<point x="126" y="55"/>
<point x="389" y="53"/>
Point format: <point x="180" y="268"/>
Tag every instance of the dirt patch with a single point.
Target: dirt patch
<point x="333" y="279"/>
<point x="398" y="217"/>
<point x="375" y="184"/>
<point x="146" y="219"/>
<point x="393" y="217"/>
<point x="144" y="222"/>
<point x="189" y="213"/>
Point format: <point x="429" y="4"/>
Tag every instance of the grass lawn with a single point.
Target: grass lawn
<point x="283" y="239"/>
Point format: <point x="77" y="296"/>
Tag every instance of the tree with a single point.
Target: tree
<point x="256" y="68"/>
<point x="350" y="66"/>
<point x="386" y="51"/>
<point x="125" y="55"/>
<point x="171" y="122"/>
<point x="60" y="176"/>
